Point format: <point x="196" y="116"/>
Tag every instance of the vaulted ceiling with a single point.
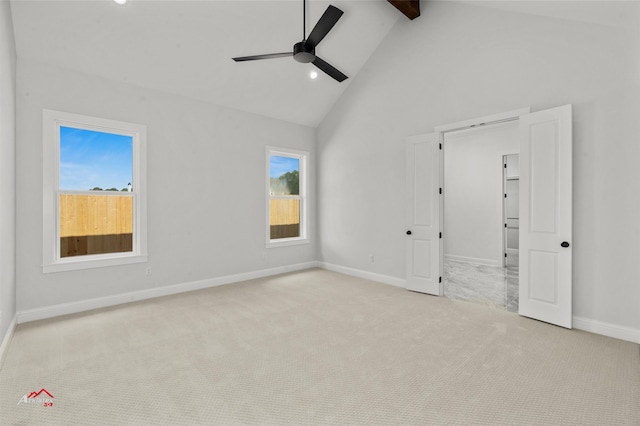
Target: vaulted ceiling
<point x="185" y="47"/>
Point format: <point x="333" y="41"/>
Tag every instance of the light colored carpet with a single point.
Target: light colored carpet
<point x="315" y="348"/>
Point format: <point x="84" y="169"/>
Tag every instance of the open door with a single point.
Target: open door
<point x="546" y="216"/>
<point x="423" y="246"/>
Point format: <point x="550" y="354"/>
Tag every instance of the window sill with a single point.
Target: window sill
<point x="90" y="262"/>
<point x="284" y="242"/>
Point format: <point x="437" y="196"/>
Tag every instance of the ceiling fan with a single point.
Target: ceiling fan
<point x="305" y="51"/>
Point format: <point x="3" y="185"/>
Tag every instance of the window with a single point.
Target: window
<point x="94" y="192"/>
<point x="286" y="197"/>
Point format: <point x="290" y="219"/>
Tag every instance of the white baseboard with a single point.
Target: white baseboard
<point x="476" y="260"/>
<point x="585" y="324"/>
<point x="593" y="326"/>
<point x="385" y="279"/>
<point x="6" y="340"/>
<point x="118" y="299"/>
<point x="610" y="330"/>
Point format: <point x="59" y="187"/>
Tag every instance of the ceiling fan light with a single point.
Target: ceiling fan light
<point x="313" y="74"/>
<point x="120" y="1"/>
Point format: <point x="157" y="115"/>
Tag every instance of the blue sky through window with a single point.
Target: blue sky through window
<point x="90" y="159"/>
<point x="280" y="165"/>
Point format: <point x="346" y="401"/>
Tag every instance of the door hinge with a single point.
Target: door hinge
<point x="441" y="235"/>
<point x="505" y="165"/>
<point x="505" y="225"/>
<point x="440" y="280"/>
<point x="440" y="190"/>
<point x="440" y="147"/>
<point x="505" y="195"/>
<point x="505" y="255"/>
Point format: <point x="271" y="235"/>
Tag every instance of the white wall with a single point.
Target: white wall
<point x="206" y="171"/>
<point x="458" y="62"/>
<point x="473" y="192"/>
<point x="7" y="170"/>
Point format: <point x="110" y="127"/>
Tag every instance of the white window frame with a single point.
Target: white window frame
<point x="51" y="123"/>
<point x="303" y="158"/>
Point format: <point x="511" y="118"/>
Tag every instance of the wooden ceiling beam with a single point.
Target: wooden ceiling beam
<point x="410" y="8"/>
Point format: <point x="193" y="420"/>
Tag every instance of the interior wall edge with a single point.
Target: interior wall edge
<point x="8" y="77"/>
<point x="385" y="279"/>
<point x="6" y="340"/>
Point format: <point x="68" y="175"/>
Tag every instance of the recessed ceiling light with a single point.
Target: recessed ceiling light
<point x="313" y="75"/>
<point x="120" y="1"/>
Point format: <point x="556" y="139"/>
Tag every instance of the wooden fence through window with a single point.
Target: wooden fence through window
<point x="284" y="218"/>
<point x="95" y="224"/>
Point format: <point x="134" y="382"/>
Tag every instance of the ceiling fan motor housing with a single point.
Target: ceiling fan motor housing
<point x="304" y="53"/>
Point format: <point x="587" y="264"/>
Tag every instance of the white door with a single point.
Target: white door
<point x="545" y="215"/>
<point x="423" y="214"/>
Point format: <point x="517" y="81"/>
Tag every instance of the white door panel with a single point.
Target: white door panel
<point x="546" y="216"/>
<point x="423" y="214"/>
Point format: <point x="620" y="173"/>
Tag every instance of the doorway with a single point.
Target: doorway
<point x="479" y="220"/>
<point x="545" y="210"/>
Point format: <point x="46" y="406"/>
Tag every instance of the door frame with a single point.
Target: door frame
<point x="503" y="117"/>
<point x="550" y="279"/>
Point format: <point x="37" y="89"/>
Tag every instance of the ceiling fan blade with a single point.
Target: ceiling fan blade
<point x="324" y="25"/>
<point x="329" y="70"/>
<point x="267" y="56"/>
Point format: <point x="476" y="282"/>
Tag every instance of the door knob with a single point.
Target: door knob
<point x="409" y="232"/>
<point x="564" y="244"/>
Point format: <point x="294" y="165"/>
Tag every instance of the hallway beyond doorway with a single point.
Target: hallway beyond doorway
<point x="493" y="286"/>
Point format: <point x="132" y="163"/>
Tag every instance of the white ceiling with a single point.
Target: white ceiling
<point x="185" y="47"/>
<point x="614" y="13"/>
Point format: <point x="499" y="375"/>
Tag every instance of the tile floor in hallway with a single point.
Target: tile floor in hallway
<point x="488" y="285"/>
